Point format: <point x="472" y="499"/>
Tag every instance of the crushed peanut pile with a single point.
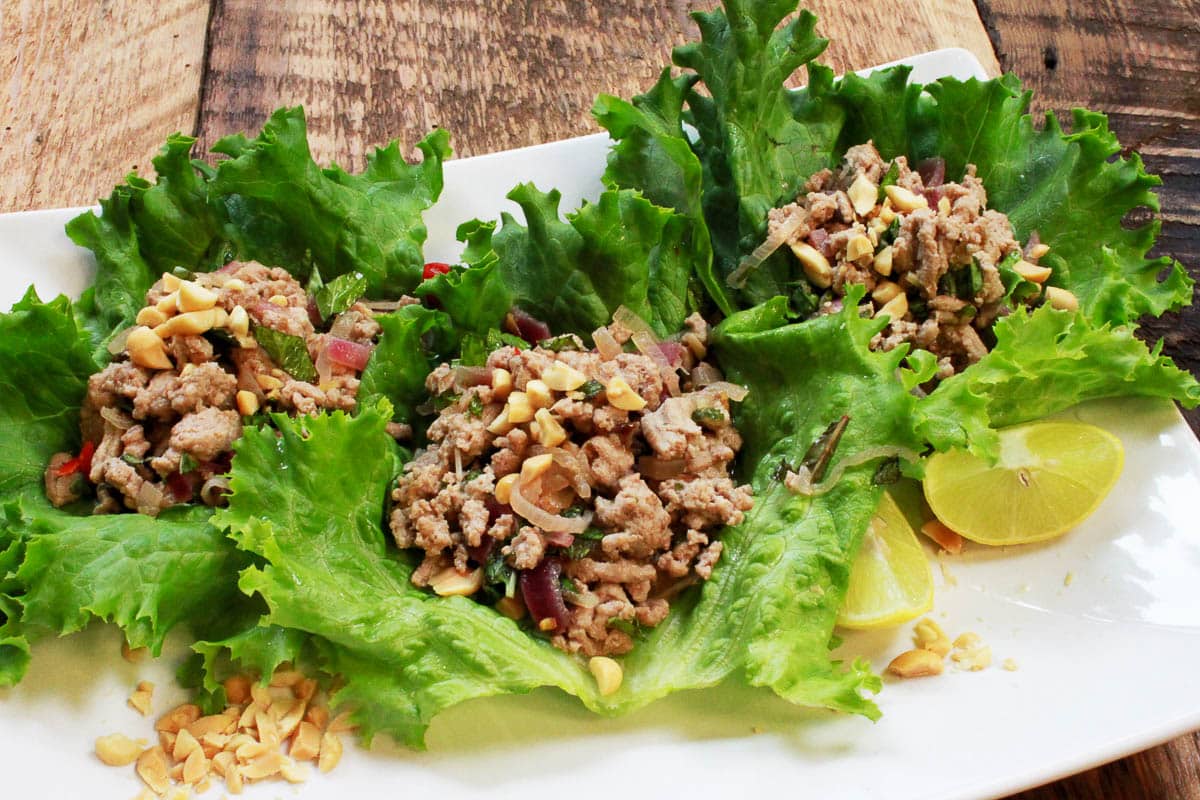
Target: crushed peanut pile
<point x="243" y="744"/>
<point x="967" y="651"/>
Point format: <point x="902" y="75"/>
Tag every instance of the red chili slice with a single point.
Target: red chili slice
<point x="81" y="463"/>
<point x="435" y="268"/>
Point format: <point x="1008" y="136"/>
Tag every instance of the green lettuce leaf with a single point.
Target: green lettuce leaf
<point x="415" y="339"/>
<point x="755" y="152"/>
<point x="1043" y="362"/>
<point x="284" y="210"/>
<point x="621" y="250"/>
<point x="310" y="501"/>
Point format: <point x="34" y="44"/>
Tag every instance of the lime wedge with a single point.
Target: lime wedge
<point x="1050" y="477"/>
<point x="890" y="580"/>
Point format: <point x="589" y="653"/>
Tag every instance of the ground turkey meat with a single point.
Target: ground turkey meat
<point x="930" y="254"/>
<point x="572" y="465"/>
<point x="161" y="419"/>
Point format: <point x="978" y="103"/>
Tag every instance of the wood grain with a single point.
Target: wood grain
<point x="498" y="75"/>
<point x="1138" y="62"/>
<point x="91" y="89"/>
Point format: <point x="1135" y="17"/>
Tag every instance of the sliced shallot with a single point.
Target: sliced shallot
<point x="548" y="522"/>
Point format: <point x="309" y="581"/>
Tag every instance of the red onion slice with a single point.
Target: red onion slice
<point x="529" y="328"/>
<point x="542" y="593"/>
<point x="347" y="353"/>
<point x="933" y="172"/>
<point x="465" y="377"/>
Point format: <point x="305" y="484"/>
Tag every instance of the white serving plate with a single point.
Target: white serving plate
<point x="1105" y="665"/>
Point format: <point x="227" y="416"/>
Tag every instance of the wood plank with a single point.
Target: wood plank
<point x="92" y="89"/>
<point x="497" y="75"/>
<point x="1135" y="60"/>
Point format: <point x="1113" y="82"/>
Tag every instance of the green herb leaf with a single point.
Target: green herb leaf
<point x="340" y="293"/>
<point x="289" y="352"/>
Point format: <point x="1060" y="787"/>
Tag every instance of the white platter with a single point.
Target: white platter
<point x="1105" y="665"/>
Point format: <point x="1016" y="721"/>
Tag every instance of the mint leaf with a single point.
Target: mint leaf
<point x="414" y="339"/>
<point x="288" y="351"/>
<point x="339" y="294"/>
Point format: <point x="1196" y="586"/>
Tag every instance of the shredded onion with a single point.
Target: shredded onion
<point x="344" y="324"/>
<point x="660" y="469"/>
<point x="800" y="481"/>
<point x="705" y="374"/>
<point x="465" y="377"/>
<point x="116" y="418"/>
<point x="551" y="523"/>
<point x="629" y="320"/>
<point x="215" y="490"/>
<point x="117" y="345"/>
<point x="149" y="499"/>
<point x="775" y="239"/>
<point x="606" y="344"/>
<point x="733" y="391"/>
<point x="385" y="305"/>
<point x="576" y="472"/>
<point x="458" y="471"/>
<point x="324" y="365"/>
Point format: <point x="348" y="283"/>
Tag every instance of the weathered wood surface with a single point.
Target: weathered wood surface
<point x="496" y="75"/>
<point x="89" y="91"/>
<point x="92" y="87"/>
<point x="1139" y="61"/>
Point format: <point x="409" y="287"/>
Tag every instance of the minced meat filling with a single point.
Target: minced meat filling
<point x="159" y="422"/>
<point x="931" y="255"/>
<point x="582" y="489"/>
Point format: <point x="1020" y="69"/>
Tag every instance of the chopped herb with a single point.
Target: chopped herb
<point x="567" y="586"/>
<point x="626" y="625"/>
<point x="591" y="532"/>
<point x="134" y="461"/>
<point x="340" y="293"/>
<point x="918" y="308"/>
<point x="497" y="570"/>
<point x="472" y="475"/>
<point x="591" y="389"/>
<point x="289" y="352"/>
<point x="573" y="511"/>
<point x="475" y="406"/>
<point x="803" y="301"/>
<point x="441" y="401"/>
<point x="889" y="179"/>
<point x="889" y="235"/>
<point x="580" y="548"/>
<point x="709" y="417"/>
<point x="976" y="278"/>
<point x="887" y="473"/>
<point x="187" y="463"/>
<point x="473" y="351"/>
<point x="562" y="343"/>
<point x="183" y="273"/>
<point x="821" y="452"/>
<point x="497" y="339"/>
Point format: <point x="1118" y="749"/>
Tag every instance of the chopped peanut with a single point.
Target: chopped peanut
<point x="535" y="467"/>
<point x="885" y="291"/>
<point x="1032" y="272"/>
<point x="504" y="488"/>
<point x="1061" y="299"/>
<point x="550" y="432"/>
<point x="502" y="383"/>
<point x="563" y="378"/>
<point x="117" y="750"/>
<point x="519" y="408"/>
<point x="816" y="266"/>
<point x="895" y="308"/>
<point x="608" y="674"/>
<point x="859" y="247"/>
<point x="191" y="323"/>
<point x="307" y="744"/>
<point x="450" y="582"/>
<point x="862" y="195"/>
<point x="331" y="752"/>
<point x="278" y="300"/>
<point x="883" y="261"/>
<point x="622" y="396"/>
<point x="904" y="200"/>
<point x="539" y="394"/>
<point x="234" y="285"/>
<point x="152" y="768"/>
<point x="151" y="317"/>
<point x="916" y="664"/>
<point x="194" y="297"/>
<point x="239" y="321"/>
<point x="146" y="349"/>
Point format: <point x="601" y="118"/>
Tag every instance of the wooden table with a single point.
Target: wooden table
<point x="91" y="87"/>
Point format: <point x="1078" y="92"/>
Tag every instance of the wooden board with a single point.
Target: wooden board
<point x="1137" y="62"/>
<point x="497" y="75"/>
<point x="91" y="89"/>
